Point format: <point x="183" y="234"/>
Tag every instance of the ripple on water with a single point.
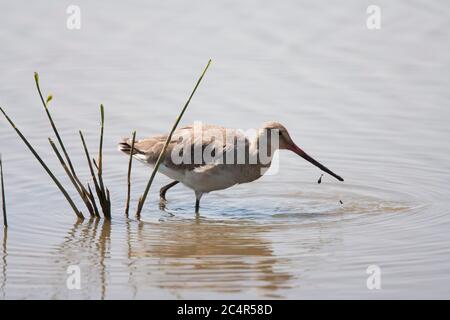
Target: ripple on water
<point x="333" y="203"/>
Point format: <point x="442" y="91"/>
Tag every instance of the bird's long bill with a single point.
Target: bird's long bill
<point x="305" y="156"/>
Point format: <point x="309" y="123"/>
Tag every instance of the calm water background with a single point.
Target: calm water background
<point x="371" y="105"/>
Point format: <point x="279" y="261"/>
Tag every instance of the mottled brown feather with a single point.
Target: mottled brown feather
<point x="151" y="147"/>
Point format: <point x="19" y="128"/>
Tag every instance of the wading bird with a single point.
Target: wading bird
<point x="206" y="158"/>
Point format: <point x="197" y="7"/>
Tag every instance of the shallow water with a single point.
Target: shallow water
<point x="371" y="105"/>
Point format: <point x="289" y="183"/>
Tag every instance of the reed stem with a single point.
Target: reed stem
<point x="71" y="177"/>
<point x="169" y="137"/>
<point x="91" y="196"/>
<point x="106" y="200"/>
<point x="88" y="158"/>
<point x="36" y="155"/>
<point x="100" y="195"/>
<point x="72" y="174"/>
<point x="55" y="130"/>
<point x="127" y="207"/>
<point x="100" y="149"/>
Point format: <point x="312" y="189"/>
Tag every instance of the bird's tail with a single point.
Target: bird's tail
<point x="125" y="146"/>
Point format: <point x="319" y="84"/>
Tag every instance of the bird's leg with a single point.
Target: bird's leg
<point x="198" y="196"/>
<point x="162" y="192"/>
<point x="197" y="205"/>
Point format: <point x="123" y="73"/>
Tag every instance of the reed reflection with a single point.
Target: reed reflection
<point x="87" y="246"/>
<point x="4" y="262"/>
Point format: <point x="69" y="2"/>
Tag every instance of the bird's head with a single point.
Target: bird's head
<point x="285" y="142"/>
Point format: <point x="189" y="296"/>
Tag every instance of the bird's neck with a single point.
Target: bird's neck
<point x="262" y="149"/>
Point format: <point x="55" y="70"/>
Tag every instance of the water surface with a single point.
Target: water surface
<point x="371" y="105"/>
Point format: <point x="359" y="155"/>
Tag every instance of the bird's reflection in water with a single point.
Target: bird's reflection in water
<point x="177" y="255"/>
<point x="206" y="255"/>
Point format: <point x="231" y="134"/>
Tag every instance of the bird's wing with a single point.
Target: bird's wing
<point x="191" y="150"/>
